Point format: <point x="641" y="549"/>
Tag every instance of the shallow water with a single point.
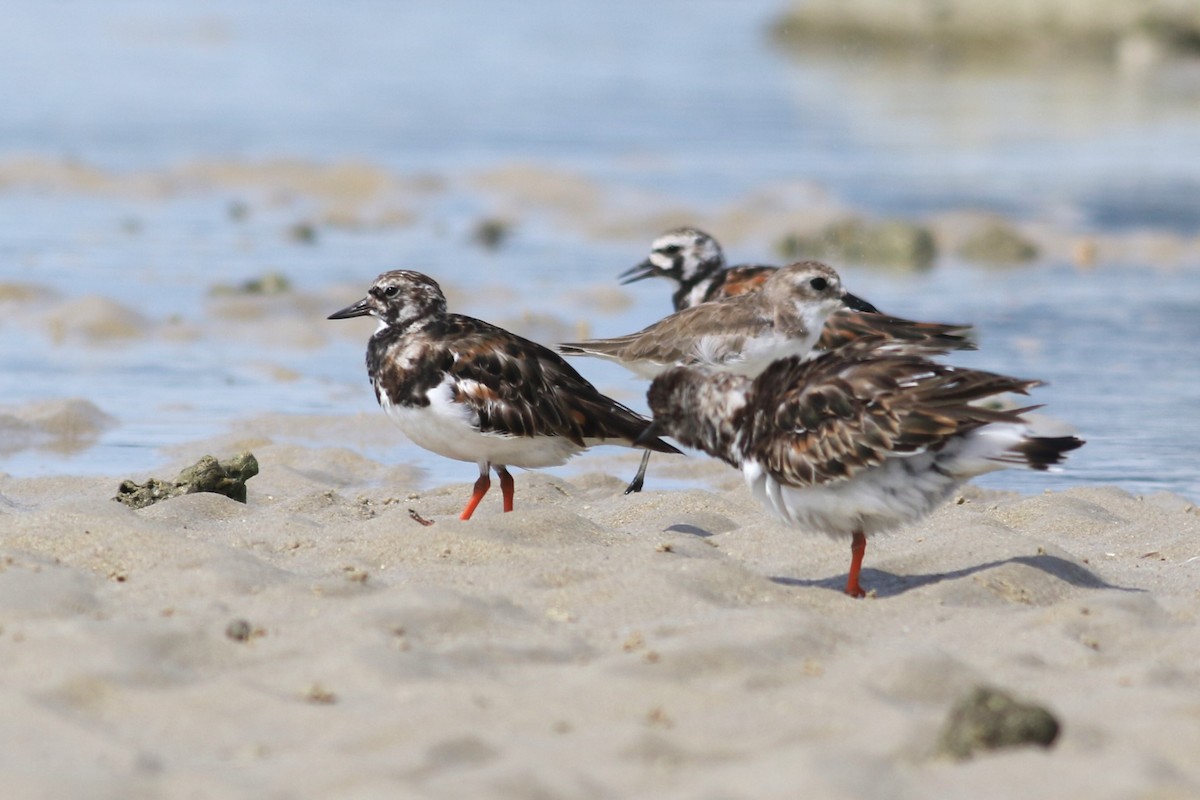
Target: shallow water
<point x="685" y="99"/>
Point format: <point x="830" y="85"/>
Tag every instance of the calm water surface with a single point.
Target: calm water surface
<point x="685" y="98"/>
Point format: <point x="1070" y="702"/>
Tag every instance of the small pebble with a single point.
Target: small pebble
<point x="239" y="630"/>
<point x="320" y="695"/>
<point x="491" y="233"/>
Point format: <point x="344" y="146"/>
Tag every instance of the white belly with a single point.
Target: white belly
<point x="450" y="429"/>
<point x="875" y="501"/>
<point x="901" y="490"/>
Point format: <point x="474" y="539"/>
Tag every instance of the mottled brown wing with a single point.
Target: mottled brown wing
<point x="830" y="418"/>
<point x="845" y="326"/>
<point x="518" y="387"/>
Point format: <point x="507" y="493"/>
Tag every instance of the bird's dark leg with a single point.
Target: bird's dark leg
<point x="858" y="548"/>
<point x="635" y="485"/>
<point x="506" y="487"/>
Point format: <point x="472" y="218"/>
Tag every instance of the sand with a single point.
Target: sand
<point x="319" y="642"/>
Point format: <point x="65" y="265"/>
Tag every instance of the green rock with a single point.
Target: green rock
<point x="303" y="233"/>
<point x="491" y="233"/>
<point x="989" y="719"/>
<point x="890" y="243"/>
<point x="266" y="284"/>
<point x="981" y="31"/>
<point x="1175" y="33"/>
<point x="997" y="243"/>
<point x="206" y="475"/>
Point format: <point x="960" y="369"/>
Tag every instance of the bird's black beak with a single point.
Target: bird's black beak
<point x="651" y="431"/>
<point x="856" y="303"/>
<point x="640" y="272"/>
<point x="359" y="309"/>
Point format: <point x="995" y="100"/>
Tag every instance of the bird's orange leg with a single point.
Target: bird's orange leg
<point x="858" y="548"/>
<point x="506" y="487"/>
<point x="481" y="486"/>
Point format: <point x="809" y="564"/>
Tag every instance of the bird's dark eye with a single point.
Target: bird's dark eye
<point x="391" y="291"/>
<point x="820" y="284"/>
<point x="671" y="250"/>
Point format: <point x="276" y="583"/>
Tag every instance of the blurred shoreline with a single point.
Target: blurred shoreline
<point x="1128" y="32"/>
<point x="362" y="197"/>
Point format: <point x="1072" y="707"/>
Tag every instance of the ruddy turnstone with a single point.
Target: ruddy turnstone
<point x="694" y="262"/>
<point x="792" y="314"/>
<point x="471" y="391"/>
<point x="854" y="442"/>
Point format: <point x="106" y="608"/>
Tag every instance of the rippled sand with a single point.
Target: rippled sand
<point x="319" y="642"/>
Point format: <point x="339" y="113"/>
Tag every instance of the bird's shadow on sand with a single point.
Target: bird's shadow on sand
<point x="691" y="530"/>
<point x="888" y="584"/>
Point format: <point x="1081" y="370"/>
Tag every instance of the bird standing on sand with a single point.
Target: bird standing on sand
<point x="789" y="315"/>
<point x="854" y="442"/>
<point x="471" y="391"/>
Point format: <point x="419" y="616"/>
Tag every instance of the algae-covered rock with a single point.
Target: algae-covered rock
<point x="303" y="233"/>
<point x="989" y="719"/>
<point x="980" y="28"/>
<point x="491" y="233"/>
<point x="269" y="283"/>
<point x="889" y="243"/>
<point x="206" y="475"/>
<point x="997" y="243"/>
